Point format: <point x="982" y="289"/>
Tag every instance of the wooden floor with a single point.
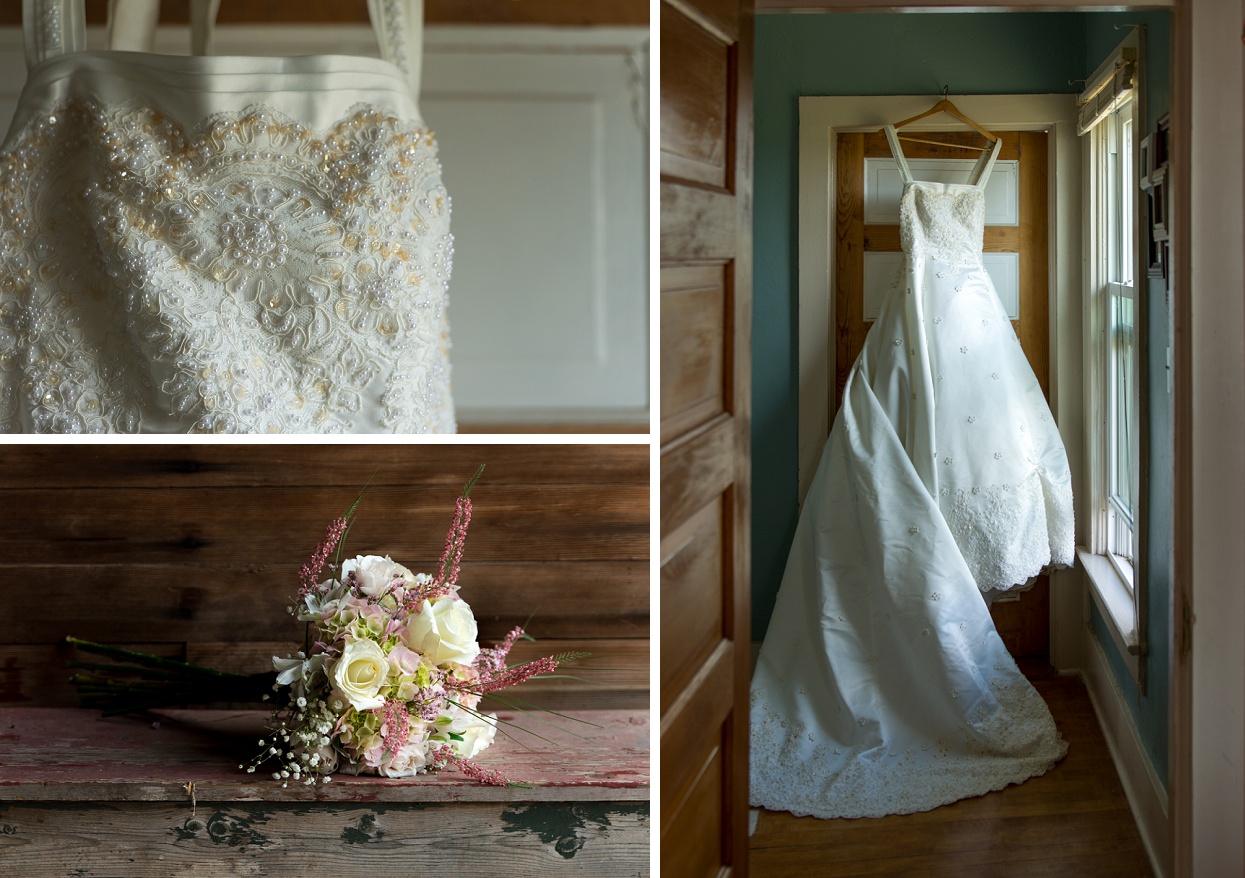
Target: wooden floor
<point x="1072" y="821"/>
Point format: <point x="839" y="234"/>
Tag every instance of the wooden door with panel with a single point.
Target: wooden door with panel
<point x="706" y="243"/>
<point x="867" y="253"/>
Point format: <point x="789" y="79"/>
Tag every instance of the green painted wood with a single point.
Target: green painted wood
<point x="96" y="840"/>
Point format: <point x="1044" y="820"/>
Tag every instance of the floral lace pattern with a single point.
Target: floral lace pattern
<point x="250" y="276"/>
<point x="945" y="222"/>
<point x="1009" y="738"/>
<point x="1007" y="533"/>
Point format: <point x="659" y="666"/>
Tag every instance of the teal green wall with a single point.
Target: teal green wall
<point x="886" y="54"/>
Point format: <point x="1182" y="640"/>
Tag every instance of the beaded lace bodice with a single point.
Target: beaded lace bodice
<point x="237" y="245"/>
<point x="943" y="220"/>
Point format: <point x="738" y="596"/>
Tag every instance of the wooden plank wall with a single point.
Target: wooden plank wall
<point x="193" y="551"/>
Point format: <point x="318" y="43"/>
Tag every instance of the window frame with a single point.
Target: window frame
<point x="1113" y="559"/>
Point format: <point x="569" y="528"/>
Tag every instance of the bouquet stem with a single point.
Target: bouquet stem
<point x="136" y="681"/>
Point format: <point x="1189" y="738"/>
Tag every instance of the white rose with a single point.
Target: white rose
<point x="445" y="632"/>
<point x="477" y="733"/>
<point x="360" y="672"/>
<point x="374" y="573"/>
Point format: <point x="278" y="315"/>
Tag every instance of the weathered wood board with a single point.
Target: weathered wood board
<point x="150" y="840"/>
<point x="192" y="551"/>
<point x="86" y="796"/>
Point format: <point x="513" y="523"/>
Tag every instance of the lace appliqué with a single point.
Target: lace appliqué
<point x="250" y="276"/>
<point x="1009" y="533"/>
<point x="946" y="224"/>
<point x="1008" y="738"/>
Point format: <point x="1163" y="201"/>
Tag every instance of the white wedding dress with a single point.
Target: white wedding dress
<point x="221" y="244"/>
<point x="882" y="686"/>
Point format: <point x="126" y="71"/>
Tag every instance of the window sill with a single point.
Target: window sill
<point x="1115" y="602"/>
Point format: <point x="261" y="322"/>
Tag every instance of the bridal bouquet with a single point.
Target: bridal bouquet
<point x="389" y="681"/>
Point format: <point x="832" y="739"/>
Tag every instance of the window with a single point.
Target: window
<point x="1110" y="121"/>
<point x="1118" y="497"/>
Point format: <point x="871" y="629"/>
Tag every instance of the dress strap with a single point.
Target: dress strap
<point x="52" y="28"/>
<point x="897" y="151"/>
<point x="985" y="164"/>
<point x="399" y="26"/>
<point x="132" y="25"/>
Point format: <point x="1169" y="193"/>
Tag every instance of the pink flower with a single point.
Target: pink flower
<point x="403" y="661"/>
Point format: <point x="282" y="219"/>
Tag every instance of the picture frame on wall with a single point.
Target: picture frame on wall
<point x="1144" y="165"/>
<point x="1159" y="205"/>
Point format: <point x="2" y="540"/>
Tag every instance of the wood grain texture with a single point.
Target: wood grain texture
<point x="557" y="12"/>
<point x="331" y="464"/>
<point x="615" y="677"/>
<point x="706" y="221"/>
<point x="721" y="18"/>
<point x="230" y="526"/>
<point x="701" y="823"/>
<point x="696" y="224"/>
<point x="1024" y="624"/>
<point x="693" y="585"/>
<point x="695" y="306"/>
<point x="490" y="840"/>
<point x="685" y="746"/>
<point x="694" y="102"/>
<point x="849" y="258"/>
<point x="1034" y="260"/>
<point x="1074" y="820"/>
<point x="183" y="548"/>
<point x="73" y="755"/>
<point x="248" y="601"/>
<point x="695" y="470"/>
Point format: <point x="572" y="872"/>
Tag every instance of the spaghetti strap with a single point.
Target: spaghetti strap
<point x="985" y="164"/>
<point x="52" y="28"/>
<point x="897" y="152"/>
<point x="399" y="34"/>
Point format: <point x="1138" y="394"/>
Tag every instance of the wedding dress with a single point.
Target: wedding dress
<point x="221" y="244"/>
<point x="882" y="686"/>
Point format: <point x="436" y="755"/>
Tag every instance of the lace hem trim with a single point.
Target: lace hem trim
<point x="1009" y="533"/>
<point x="790" y="772"/>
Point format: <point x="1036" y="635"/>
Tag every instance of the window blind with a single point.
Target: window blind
<point x="1110" y="86"/>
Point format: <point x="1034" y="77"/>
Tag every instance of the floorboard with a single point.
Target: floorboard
<point x="1074" y="820"/>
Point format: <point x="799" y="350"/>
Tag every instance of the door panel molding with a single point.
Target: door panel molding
<point x="706" y="258"/>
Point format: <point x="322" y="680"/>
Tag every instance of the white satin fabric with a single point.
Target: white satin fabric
<point x="221" y="244"/>
<point x="882" y="686"/>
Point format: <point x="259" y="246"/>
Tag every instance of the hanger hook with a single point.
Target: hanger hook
<point x="945" y="89"/>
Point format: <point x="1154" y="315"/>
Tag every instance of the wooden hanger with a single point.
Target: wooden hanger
<point x="945" y="106"/>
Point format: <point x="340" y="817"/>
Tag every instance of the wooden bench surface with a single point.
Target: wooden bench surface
<point x="75" y="755"/>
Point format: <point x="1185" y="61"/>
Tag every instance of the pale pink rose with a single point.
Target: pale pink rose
<point x="375" y="573"/>
<point x="410" y="758"/>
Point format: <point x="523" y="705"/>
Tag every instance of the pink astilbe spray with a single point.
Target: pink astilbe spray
<point x="446" y="580"/>
<point x="395" y="725"/>
<point x="309" y="573"/>
<point x="456" y="538"/>
<point x="445" y="755"/>
<point x="492" y="660"/>
<point x="507" y="677"/>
